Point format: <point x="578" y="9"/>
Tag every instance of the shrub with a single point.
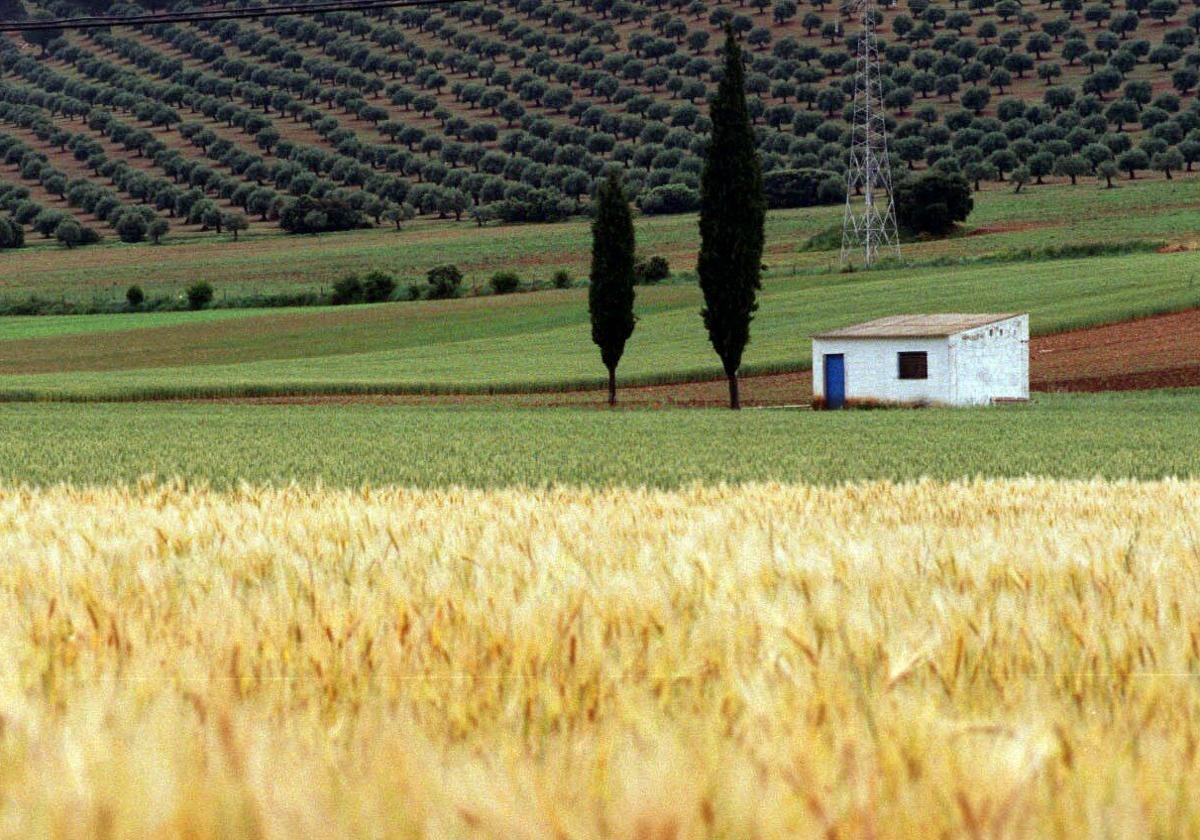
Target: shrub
<point x="234" y="223"/>
<point x="199" y="295"/>
<point x="135" y="297"/>
<point x="157" y="230"/>
<point x="1107" y="170"/>
<point x="444" y="281"/>
<point x="832" y="190"/>
<point x="650" y="270"/>
<point x="535" y="205"/>
<point x="483" y="214"/>
<point x="12" y="235"/>
<point x="397" y="214"/>
<point x="90" y="236"/>
<point x="308" y="214"/>
<point x="562" y="279"/>
<point x="933" y="202"/>
<point x="26" y="211"/>
<point x="131" y="227"/>
<point x="47" y="221"/>
<point x="347" y="290"/>
<point x="669" y="198"/>
<point x="72" y="234"/>
<point x="378" y="287"/>
<point x="800" y="188"/>
<point x="505" y="282"/>
<point x="1019" y="177"/>
<point x="68" y="233"/>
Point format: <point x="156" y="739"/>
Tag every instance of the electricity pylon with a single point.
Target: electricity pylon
<point x="871" y="229"/>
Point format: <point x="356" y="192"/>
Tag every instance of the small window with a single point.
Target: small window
<point x="914" y="365"/>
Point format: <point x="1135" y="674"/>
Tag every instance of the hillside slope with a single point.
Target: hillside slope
<point x="512" y="109"/>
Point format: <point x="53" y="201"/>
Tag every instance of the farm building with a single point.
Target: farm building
<point x="948" y="359"/>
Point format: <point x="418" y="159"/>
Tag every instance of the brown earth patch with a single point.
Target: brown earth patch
<point x="1008" y="227"/>
<point x="1180" y="377"/>
<point x="1118" y="351"/>
<point x="776" y="389"/>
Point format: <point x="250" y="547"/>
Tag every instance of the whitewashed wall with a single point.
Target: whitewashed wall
<point x="873" y="372"/>
<point x="969" y="368"/>
<point x="991" y="362"/>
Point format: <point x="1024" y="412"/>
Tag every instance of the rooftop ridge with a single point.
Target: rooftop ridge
<point x="933" y="325"/>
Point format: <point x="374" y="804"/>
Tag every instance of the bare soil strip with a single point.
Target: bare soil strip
<point x="1180" y="377"/>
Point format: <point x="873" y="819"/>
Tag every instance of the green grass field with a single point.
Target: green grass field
<point x="41" y="326"/>
<point x="272" y="262"/>
<point x="541" y="340"/>
<point x="1130" y="435"/>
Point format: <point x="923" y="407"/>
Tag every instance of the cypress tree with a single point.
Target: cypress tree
<point x="732" y="212"/>
<point x="610" y="294"/>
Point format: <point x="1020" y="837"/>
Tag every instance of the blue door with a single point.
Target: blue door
<point x="835" y="380"/>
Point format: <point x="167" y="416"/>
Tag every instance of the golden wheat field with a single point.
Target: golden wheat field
<point x="976" y="659"/>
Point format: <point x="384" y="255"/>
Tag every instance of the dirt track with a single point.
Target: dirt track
<point x="1162" y="351"/>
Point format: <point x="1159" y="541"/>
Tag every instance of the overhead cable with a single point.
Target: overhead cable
<point x="282" y="10"/>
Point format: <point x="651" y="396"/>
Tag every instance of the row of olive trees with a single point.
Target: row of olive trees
<point x="530" y="170"/>
<point x="682" y="197"/>
<point x="102" y="201"/>
<point x="732" y="213"/>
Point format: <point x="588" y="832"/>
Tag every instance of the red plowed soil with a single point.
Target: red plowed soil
<point x="1158" y="352"/>
<point x="1162" y="351"/>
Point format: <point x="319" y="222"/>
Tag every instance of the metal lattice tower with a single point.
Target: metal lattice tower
<point x="870" y="228"/>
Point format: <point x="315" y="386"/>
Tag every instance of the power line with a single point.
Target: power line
<point x="291" y="9"/>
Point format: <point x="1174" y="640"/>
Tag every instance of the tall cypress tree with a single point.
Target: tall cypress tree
<point x="610" y="294"/>
<point x="732" y="212"/>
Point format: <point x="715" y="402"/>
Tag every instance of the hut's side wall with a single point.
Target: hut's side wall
<point x="991" y="362"/>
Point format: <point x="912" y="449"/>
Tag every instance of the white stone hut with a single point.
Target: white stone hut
<point x="942" y="359"/>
